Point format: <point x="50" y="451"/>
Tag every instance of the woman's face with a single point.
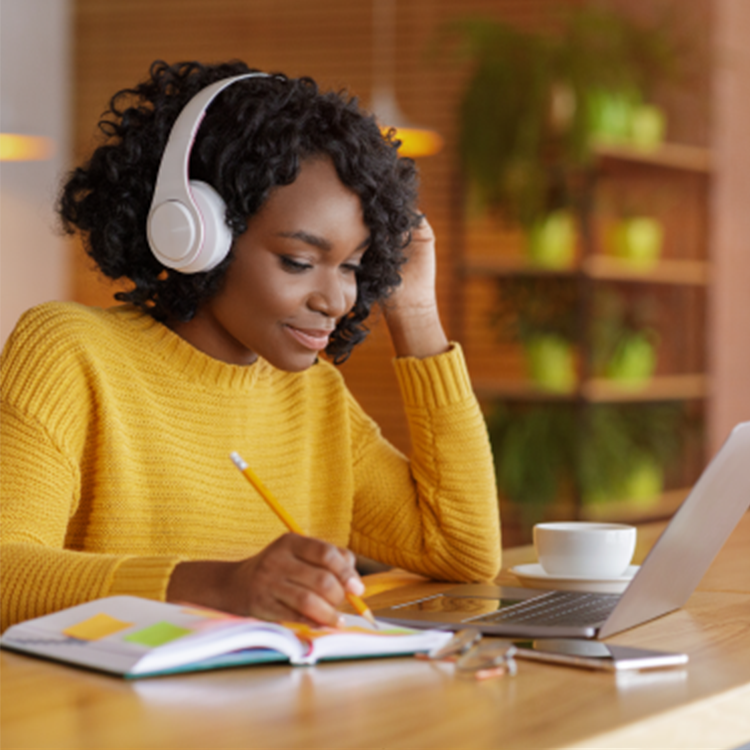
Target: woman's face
<point x="292" y="278"/>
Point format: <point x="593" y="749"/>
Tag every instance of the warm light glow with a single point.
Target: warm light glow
<point x="416" y="142"/>
<point x="14" y="147"/>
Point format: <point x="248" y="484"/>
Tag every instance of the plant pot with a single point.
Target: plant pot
<point x="642" y="488"/>
<point x="639" y="240"/>
<point x="648" y="124"/>
<point x="551" y="361"/>
<point x="552" y="241"/>
<point x="634" y="361"/>
<point x="610" y="116"/>
<point x="645" y="484"/>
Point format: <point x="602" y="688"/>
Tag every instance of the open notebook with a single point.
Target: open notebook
<point x="134" y="637"/>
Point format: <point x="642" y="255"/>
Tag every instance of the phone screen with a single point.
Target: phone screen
<point x="595" y="654"/>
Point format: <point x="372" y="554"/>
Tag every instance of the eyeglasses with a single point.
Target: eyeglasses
<point x="481" y="659"/>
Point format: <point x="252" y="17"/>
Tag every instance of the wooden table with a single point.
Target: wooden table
<point x="407" y="703"/>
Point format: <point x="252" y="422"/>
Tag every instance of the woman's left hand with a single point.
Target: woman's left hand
<point x="411" y="311"/>
<point x="417" y="289"/>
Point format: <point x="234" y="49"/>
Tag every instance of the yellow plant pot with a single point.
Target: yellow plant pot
<point x="610" y="115"/>
<point x="552" y="241"/>
<point x="634" y="361"/>
<point x="639" y="240"/>
<point x="645" y="484"/>
<point x="648" y="123"/>
<point x="551" y="361"/>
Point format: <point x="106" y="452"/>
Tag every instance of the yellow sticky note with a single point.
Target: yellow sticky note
<point x="96" y="627"/>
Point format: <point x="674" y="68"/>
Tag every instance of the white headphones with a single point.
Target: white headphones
<point x="186" y="227"/>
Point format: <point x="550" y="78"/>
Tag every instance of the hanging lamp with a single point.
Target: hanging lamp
<point x="17" y="147"/>
<point x="415" y="141"/>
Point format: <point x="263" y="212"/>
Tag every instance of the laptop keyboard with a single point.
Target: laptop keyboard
<point x="557" y="608"/>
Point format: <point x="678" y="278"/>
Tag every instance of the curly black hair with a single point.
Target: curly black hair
<point x="254" y="137"/>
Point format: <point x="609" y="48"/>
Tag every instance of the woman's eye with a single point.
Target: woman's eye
<point x="351" y="267"/>
<point x="295" y="266"/>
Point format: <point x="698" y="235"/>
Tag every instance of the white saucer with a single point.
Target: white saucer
<point x="534" y="577"/>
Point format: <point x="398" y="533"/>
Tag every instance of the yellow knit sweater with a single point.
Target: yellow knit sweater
<point x="115" y="441"/>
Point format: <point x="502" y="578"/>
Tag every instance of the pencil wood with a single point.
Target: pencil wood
<point x="356" y="602"/>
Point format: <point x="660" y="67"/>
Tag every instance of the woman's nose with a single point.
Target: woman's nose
<point x="334" y="296"/>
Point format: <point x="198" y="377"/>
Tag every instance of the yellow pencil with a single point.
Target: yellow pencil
<point x="292" y="525"/>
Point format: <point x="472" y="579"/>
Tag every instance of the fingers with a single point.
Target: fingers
<point x="338" y="561"/>
<point x="290" y="601"/>
<point x="420" y="235"/>
<point x="423" y="231"/>
<point x="323" y="576"/>
<point x="298" y="578"/>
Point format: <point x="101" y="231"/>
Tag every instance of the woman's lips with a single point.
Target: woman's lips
<point x="312" y="339"/>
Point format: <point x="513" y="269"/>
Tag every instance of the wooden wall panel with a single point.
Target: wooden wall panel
<point x="729" y="317"/>
<point x="330" y="40"/>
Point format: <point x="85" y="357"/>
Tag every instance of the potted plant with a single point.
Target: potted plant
<point x="605" y="453"/>
<point x="539" y="312"/>
<point x="637" y="239"/>
<point x="533" y="449"/>
<point x="515" y="125"/>
<point x="624" y="342"/>
<point x="552" y="240"/>
<point x="535" y="106"/>
<point x="536" y="103"/>
<point x="614" y="64"/>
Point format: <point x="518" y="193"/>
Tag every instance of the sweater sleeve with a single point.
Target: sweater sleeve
<point x="39" y="494"/>
<point x="40" y="486"/>
<point x="435" y="514"/>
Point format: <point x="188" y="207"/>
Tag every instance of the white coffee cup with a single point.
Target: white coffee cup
<point x="580" y="549"/>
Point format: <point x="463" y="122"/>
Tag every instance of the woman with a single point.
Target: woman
<point x="117" y="425"/>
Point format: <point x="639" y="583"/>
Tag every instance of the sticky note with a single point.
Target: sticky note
<point x="157" y="634"/>
<point x="96" y="627"/>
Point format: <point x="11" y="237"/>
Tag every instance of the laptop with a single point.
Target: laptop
<point x="668" y="576"/>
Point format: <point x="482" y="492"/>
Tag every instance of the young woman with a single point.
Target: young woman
<point x="118" y="424"/>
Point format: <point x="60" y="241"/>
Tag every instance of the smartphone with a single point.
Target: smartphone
<point x="595" y="655"/>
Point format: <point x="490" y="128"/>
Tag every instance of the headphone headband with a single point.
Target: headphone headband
<point x="186" y="224"/>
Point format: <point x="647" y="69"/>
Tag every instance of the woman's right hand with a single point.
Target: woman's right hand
<point x="295" y="578"/>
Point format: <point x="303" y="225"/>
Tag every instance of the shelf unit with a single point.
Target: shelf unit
<point x="677" y="177"/>
<point x="671" y="155"/>
<point x="599" y="390"/>
<point x="601" y="267"/>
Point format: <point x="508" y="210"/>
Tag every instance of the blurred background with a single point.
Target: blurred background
<point x="584" y="165"/>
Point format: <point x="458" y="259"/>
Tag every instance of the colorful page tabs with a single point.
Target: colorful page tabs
<point x="157" y="634"/>
<point x="96" y="627"/>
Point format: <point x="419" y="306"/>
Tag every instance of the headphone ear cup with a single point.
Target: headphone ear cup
<point x="186" y="225"/>
<point x="217" y="237"/>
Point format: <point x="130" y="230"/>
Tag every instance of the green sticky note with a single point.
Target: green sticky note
<point x="157" y="634"/>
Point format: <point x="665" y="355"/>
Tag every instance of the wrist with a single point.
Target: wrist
<point x="416" y="331"/>
<point x="203" y="582"/>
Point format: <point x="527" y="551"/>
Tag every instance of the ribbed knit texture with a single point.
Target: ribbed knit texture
<point x="115" y="441"/>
